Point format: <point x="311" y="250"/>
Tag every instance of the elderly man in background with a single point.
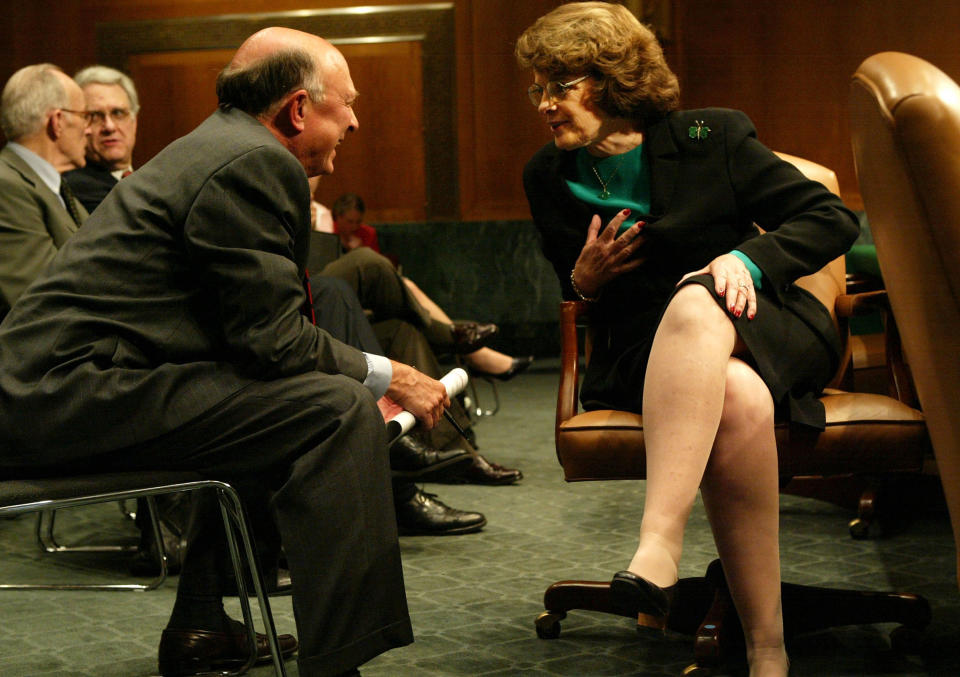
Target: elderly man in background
<point x="112" y="107"/>
<point x="42" y="114"/>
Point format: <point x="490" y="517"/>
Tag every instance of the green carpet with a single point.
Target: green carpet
<point x="473" y="598"/>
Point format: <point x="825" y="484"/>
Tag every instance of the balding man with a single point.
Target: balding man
<point x="42" y="114"/>
<point x="168" y="333"/>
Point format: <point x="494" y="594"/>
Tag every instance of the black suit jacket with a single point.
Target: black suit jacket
<point x="706" y="195"/>
<point x="182" y="288"/>
<point x="90" y="184"/>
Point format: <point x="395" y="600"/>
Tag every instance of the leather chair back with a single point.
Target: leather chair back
<point x="905" y="124"/>
<point x="831" y="281"/>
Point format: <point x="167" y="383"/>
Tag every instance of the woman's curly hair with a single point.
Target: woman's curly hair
<point x="605" y="40"/>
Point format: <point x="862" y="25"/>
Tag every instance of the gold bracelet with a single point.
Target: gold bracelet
<point x="576" y="289"/>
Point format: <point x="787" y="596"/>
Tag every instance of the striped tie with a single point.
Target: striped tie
<point x="70" y="202"/>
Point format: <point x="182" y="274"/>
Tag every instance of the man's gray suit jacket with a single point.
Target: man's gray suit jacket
<point x="33" y="225"/>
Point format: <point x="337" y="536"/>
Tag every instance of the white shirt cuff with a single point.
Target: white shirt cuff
<point x="379" y="374"/>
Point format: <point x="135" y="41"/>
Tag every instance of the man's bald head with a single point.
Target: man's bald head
<point x="298" y="86"/>
<point x="271" y="64"/>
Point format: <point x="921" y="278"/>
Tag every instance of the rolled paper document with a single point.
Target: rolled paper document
<point x="454" y="381"/>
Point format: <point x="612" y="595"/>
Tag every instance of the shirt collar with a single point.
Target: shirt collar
<point x="46" y="171"/>
<point x="118" y="173"/>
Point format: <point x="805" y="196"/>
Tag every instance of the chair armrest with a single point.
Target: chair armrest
<point x="863" y="303"/>
<point x="570" y="313"/>
<point x="863" y="282"/>
<point x="898" y="372"/>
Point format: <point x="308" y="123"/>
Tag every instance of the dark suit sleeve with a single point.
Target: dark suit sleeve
<point x="807" y="225"/>
<point x="26" y="246"/>
<point x="240" y="234"/>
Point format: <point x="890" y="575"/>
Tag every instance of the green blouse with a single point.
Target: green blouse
<point x="619" y="182"/>
<point x="613" y="183"/>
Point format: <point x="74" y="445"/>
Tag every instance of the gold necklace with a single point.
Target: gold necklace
<point x="605" y="194"/>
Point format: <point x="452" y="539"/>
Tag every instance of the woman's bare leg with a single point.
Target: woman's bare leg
<point x="682" y="403"/>
<point x="741" y="494"/>
<point x="486" y="360"/>
<point x="436" y="312"/>
<point x="708" y="418"/>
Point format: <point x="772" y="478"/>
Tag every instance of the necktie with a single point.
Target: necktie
<point x="126" y="173"/>
<point x="307" y="307"/>
<point x="70" y="201"/>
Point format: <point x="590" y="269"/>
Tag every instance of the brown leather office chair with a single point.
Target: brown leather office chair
<point x="865" y="433"/>
<point x="905" y="124"/>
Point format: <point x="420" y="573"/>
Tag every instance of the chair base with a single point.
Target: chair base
<point x="702" y="607"/>
<point x="51" y="494"/>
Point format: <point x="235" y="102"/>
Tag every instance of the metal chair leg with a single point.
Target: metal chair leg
<point x="47" y="540"/>
<point x="48" y="543"/>
<point x="234" y="517"/>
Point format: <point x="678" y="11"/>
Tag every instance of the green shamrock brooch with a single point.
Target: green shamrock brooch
<point x="698" y="131"/>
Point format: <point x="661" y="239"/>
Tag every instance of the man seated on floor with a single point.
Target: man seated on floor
<point x="168" y="334"/>
<point x="112" y="106"/>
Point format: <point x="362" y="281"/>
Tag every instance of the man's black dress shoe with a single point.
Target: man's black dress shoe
<point x="422" y="514"/>
<point x="631" y="595"/>
<point x="482" y="471"/>
<point x="193" y="652"/>
<point x="518" y="365"/>
<point x="411" y="459"/>
<point x="470" y="336"/>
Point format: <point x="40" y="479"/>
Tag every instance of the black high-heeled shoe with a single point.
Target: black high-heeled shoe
<point x="516" y="366"/>
<point x="631" y="595"/>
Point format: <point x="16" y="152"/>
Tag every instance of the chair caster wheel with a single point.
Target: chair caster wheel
<point x="696" y="671"/>
<point x="548" y="624"/>
<point x="906" y="640"/>
<point x="859" y="530"/>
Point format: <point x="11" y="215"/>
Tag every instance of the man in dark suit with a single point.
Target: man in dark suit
<point x="112" y="107"/>
<point x="42" y="116"/>
<point x="168" y="333"/>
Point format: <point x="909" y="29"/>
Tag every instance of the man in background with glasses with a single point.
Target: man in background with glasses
<point x="112" y="106"/>
<point x="42" y="114"/>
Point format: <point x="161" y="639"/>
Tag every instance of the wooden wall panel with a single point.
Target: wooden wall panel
<point x="176" y="91"/>
<point x="403" y="156"/>
<point x="384" y="161"/>
<point x="499" y="129"/>
<point x="786" y="64"/>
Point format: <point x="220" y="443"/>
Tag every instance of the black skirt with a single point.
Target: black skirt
<point x="794" y="359"/>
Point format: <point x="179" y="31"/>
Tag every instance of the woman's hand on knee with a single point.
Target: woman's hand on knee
<point x="731" y="280"/>
<point x="605" y="256"/>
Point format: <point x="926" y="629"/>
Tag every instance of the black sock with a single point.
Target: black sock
<point x="199" y="604"/>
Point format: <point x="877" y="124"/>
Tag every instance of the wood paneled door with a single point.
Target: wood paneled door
<point x="403" y="157"/>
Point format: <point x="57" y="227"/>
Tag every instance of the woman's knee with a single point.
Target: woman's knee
<point x="693" y="308"/>
<point x="748" y="408"/>
<point x="746" y="392"/>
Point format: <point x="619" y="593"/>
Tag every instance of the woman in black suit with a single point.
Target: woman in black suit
<point x="701" y="326"/>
